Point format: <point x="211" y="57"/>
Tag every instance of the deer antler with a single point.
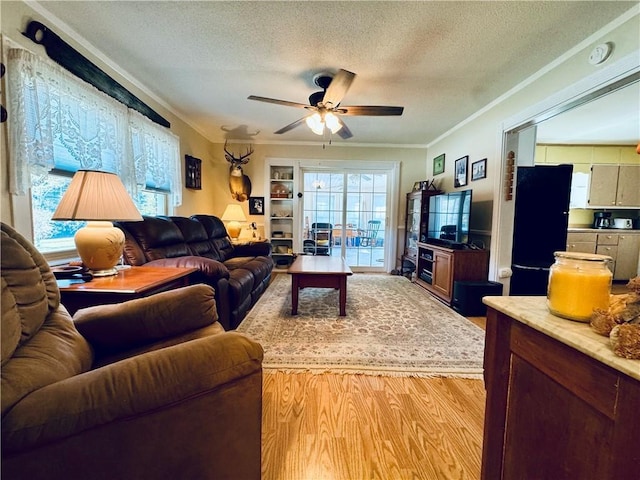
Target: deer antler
<point x="231" y="158"/>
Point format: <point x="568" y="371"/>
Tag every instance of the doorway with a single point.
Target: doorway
<point x="519" y="135"/>
<point x="346" y="213"/>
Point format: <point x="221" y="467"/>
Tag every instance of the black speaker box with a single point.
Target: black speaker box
<point x="467" y="297"/>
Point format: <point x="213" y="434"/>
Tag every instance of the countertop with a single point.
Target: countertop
<point x="532" y="311"/>
<point x="601" y="230"/>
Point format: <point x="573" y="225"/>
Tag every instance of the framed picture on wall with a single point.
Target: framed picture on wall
<point x="460" y="176"/>
<point x="479" y="169"/>
<point x="256" y="205"/>
<point x="193" y="172"/>
<point x="438" y="165"/>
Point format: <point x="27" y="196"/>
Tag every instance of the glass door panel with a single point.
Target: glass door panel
<point x="353" y="207"/>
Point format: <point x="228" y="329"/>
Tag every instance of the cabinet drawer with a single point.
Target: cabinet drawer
<point x="607" y="239"/>
<point x="610" y="250"/>
<point x="585" y="247"/>
<point x="573" y="237"/>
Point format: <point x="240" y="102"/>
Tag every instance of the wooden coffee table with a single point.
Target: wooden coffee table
<point x="320" y="272"/>
<point x="130" y="283"/>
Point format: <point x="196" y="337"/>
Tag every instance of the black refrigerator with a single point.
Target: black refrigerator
<point x="540" y="225"/>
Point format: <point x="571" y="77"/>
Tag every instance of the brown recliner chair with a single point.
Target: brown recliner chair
<point x="149" y="389"/>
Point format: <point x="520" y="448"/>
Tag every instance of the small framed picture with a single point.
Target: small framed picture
<point x="417" y="186"/>
<point x="438" y="165"/>
<point x="193" y="172"/>
<point x="256" y="205"/>
<point x="479" y="169"/>
<point x="460" y="178"/>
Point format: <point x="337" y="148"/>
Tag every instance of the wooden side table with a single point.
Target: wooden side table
<point x="128" y="284"/>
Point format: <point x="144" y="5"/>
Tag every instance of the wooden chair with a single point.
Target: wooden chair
<point x="368" y="237"/>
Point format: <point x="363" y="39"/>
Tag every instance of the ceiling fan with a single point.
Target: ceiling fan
<point x="325" y="106"/>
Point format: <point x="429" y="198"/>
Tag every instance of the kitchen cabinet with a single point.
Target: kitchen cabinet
<point x="628" y="256"/>
<point x="622" y="246"/>
<point x="439" y="267"/>
<point x="614" y="186"/>
<point x="560" y="405"/>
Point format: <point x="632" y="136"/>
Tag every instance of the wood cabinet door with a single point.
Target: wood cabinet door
<point x="603" y="186"/>
<point x="442" y="272"/>
<point x="627" y="257"/>
<point x="610" y="250"/>
<point x="628" y="186"/>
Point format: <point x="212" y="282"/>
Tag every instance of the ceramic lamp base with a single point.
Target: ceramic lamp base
<point x="100" y="246"/>
<point x="233" y="229"/>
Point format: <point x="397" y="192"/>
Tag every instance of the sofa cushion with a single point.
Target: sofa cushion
<point x="260" y="267"/>
<point x="217" y="234"/>
<point x="196" y="237"/>
<point x="56" y="352"/>
<point x="159" y="237"/>
<point x="29" y="290"/>
<point x="40" y="344"/>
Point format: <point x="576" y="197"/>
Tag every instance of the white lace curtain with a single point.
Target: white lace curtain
<point x="56" y="119"/>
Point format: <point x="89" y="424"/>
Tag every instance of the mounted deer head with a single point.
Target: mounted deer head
<point x="239" y="183"/>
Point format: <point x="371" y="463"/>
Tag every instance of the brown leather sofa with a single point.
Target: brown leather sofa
<point x="148" y="389"/>
<point x="239" y="274"/>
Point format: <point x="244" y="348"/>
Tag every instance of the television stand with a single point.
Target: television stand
<point x="439" y="266"/>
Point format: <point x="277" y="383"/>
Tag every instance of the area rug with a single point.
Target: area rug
<point x="392" y="327"/>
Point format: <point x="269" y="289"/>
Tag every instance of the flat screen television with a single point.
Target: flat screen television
<point x="449" y="215"/>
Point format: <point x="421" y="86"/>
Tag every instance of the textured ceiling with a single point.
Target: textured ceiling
<point x="442" y="61"/>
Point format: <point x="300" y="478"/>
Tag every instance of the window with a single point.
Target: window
<point x="47" y="190"/>
<point x="59" y="124"/>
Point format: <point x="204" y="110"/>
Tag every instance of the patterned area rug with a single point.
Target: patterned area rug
<point x="392" y="327"/>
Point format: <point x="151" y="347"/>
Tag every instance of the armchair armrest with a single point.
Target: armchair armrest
<point x="126" y="325"/>
<point x="257" y="249"/>
<point x="122" y="393"/>
<point x="211" y="269"/>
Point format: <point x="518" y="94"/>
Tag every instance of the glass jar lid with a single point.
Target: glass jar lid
<point x="587" y="257"/>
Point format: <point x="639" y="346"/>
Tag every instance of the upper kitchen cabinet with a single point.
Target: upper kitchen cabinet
<point x="614" y="186"/>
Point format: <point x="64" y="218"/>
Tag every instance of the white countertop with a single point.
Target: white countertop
<point x="532" y="311"/>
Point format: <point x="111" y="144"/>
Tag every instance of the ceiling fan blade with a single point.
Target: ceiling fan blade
<point x="277" y="102"/>
<point x="291" y="126"/>
<point x="344" y="132"/>
<point x="370" y="110"/>
<point x="338" y="88"/>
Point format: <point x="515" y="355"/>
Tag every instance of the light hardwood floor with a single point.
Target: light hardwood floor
<point x="351" y="427"/>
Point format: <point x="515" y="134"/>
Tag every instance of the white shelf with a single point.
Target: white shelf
<point x="281" y="209"/>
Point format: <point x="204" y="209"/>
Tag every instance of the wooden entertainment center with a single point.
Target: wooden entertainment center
<point x="438" y="267"/>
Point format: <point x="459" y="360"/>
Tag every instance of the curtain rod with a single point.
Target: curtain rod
<point x="69" y="58"/>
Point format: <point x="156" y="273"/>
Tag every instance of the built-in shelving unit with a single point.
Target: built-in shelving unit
<point x="281" y="208"/>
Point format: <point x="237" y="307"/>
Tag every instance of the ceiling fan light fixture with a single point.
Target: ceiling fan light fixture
<point x="315" y="123"/>
<point x="332" y="122"/>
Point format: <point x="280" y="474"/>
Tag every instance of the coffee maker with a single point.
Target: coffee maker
<point x="602" y="220"/>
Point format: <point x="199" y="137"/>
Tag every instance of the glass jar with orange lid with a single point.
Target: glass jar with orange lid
<point x="578" y="284"/>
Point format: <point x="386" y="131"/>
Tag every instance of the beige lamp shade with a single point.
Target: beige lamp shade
<point x="98" y="197"/>
<point x="233" y="214"/>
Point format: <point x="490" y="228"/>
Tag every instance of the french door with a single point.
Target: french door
<point x="346" y="213"/>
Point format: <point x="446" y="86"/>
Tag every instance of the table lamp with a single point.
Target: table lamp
<point x="99" y="198"/>
<point x="233" y="214"/>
